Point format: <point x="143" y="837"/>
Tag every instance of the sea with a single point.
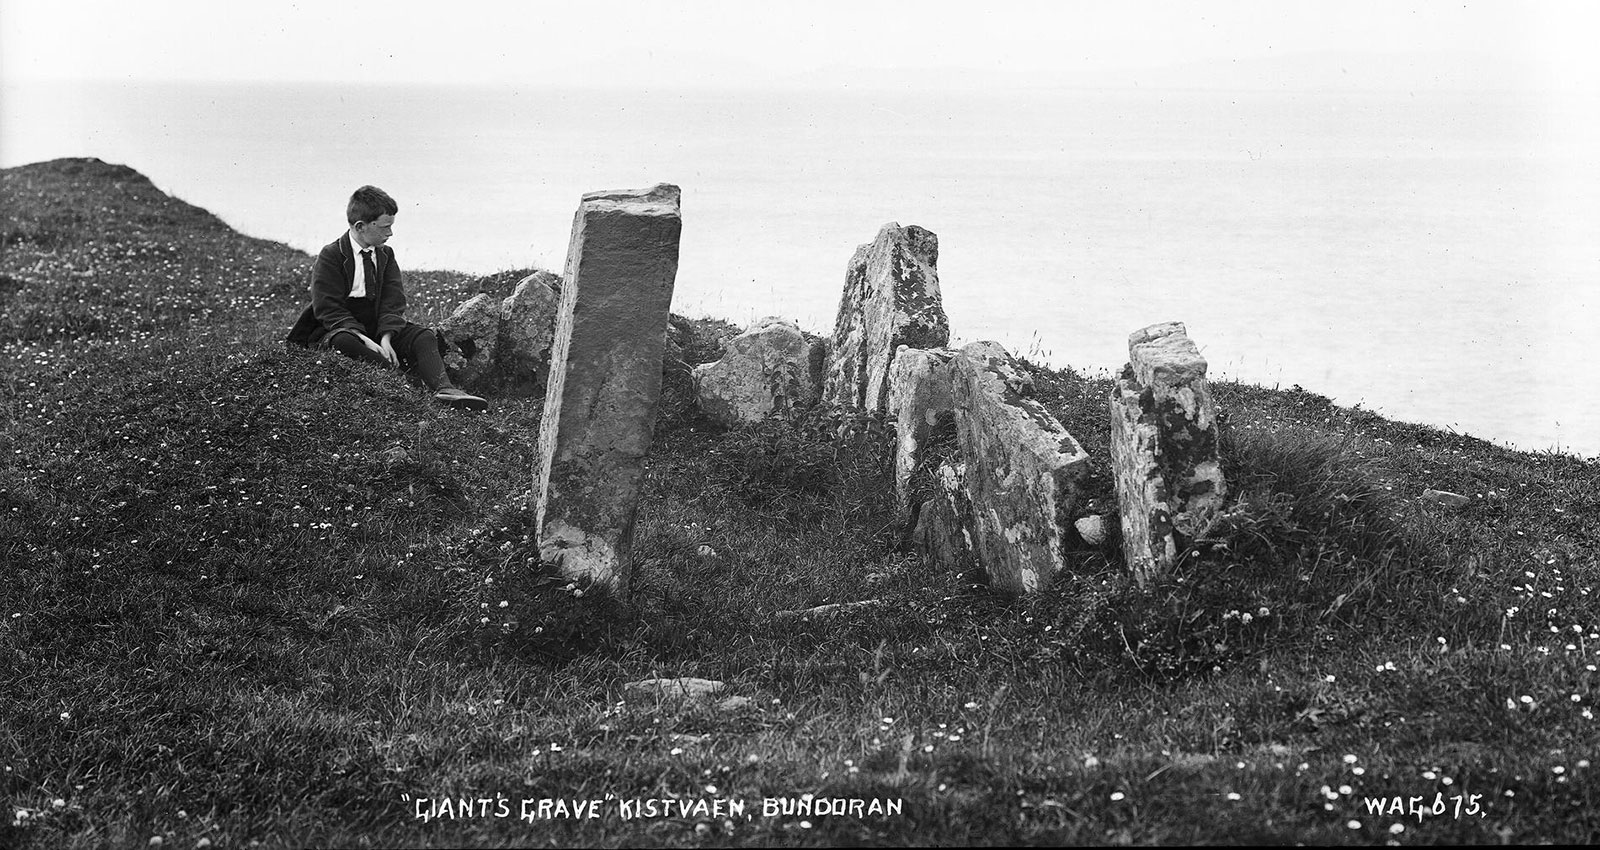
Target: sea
<point x="1430" y="255"/>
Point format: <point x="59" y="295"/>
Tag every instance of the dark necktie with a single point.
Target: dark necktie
<point x="371" y="270"/>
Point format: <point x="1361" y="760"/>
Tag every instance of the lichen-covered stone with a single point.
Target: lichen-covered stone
<point x="471" y="334"/>
<point x="527" y="332"/>
<point x="1164" y="448"/>
<point x="1023" y="470"/>
<point x="605" y="379"/>
<point x="891" y="298"/>
<point x="768" y="370"/>
<point x="921" y="407"/>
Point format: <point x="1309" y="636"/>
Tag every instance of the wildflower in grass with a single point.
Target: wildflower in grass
<point x="1350" y="758"/>
<point x="1558" y="770"/>
<point x="1429" y="775"/>
<point x="1118" y="796"/>
<point x="1234" y="796"/>
<point x="1525" y="699"/>
<point x="1396" y="829"/>
<point x="1354" y="824"/>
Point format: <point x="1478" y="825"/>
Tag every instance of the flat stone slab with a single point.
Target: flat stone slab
<point x="822" y="612"/>
<point x="671" y="689"/>
<point x="1446" y="499"/>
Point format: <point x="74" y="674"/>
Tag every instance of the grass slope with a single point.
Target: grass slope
<point x="264" y="596"/>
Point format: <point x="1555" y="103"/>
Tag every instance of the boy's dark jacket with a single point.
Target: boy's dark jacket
<point x="331" y="280"/>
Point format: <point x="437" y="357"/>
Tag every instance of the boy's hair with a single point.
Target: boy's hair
<point x="369" y="203"/>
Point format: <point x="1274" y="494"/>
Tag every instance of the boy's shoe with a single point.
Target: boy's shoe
<point x="459" y="399"/>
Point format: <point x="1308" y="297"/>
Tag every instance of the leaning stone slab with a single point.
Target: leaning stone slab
<point x="922" y="408"/>
<point x="527" y="331"/>
<point x="605" y="379"/>
<point x="891" y="298"/>
<point x="1023" y="470"/>
<point x="773" y="368"/>
<point x="471" y="334"/>
<point x="1164" y="448"/>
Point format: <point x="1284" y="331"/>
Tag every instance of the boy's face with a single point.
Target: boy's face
<point x="371" y="234"/>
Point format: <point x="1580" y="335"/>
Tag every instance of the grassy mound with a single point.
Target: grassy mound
<point x="256" y="594"/>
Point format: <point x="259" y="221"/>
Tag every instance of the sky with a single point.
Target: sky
<point x="705" y="43"/>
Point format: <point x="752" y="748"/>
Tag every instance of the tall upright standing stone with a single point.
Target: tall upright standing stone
<point x="891" y="298"/>
<point x="605" y="379"/>
<point x="1164" y="448"/>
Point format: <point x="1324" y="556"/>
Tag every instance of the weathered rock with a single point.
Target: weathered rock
<point x="686" y="687"/>
<point x="1164" y="448"/>
<point x="605" y="379"/>
<point x="891" y="298"/>
<point x="527" y="332"/>
<point x="770" y="369"/>
<point x="1446" y="499"/>
<point x="471" y="334"/>
<point x="922" y="409"/>
<point x="823" y="612"/>
<point x="943" y="532"/>
<point x="1092" y="529"/>
<point x="1022" y="473"/>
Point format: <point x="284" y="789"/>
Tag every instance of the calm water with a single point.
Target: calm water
<point x="1431" y="256"/>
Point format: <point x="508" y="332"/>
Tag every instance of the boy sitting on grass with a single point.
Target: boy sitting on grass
<point x="358" y="305"/>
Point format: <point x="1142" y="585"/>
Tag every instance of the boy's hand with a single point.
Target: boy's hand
<point x="387" y="347"/>
<point x="376" y="348"/>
